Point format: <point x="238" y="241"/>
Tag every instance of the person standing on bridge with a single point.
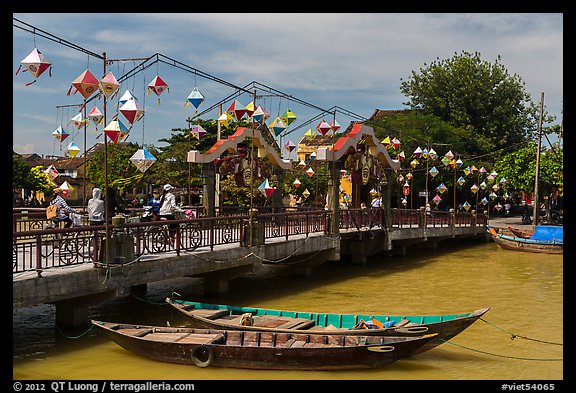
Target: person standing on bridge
<point x="96" y="208"/>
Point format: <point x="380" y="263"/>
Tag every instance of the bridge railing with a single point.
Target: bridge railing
<point x="37" y="249"/>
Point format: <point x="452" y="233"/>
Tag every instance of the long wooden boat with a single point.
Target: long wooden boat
<point x="217" y="316"/>
<point x="260" y="350"/>
<point x="545" y="239"/>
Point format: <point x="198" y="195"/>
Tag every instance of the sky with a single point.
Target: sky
<point x="352" y="61"/>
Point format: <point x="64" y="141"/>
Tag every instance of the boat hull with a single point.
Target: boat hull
<point x="263" y="353"/>
<point x="444" y="329"/>
<point x="521" y="244"/>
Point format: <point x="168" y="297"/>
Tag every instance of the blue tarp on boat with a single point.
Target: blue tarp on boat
<point x="548" y="233"/>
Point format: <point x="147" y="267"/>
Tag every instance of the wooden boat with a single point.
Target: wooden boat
<point x="260" y="350"/>
<point x="217" y="316"/>
<point x="546" y="239"/>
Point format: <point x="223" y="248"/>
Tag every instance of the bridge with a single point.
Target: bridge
<point x="68" y="268"/>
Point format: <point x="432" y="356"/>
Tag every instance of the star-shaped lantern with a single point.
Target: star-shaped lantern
<point x="125" y="97"/>
<point x="86" y="84"/>
<point x="79" y="121"/>
<point x="132" y="111"/>
<point x="143" y="159"/>
<point x="418" y="152"/>
<point x="66" y="189"/>
<point x="250" y="108"/>
<point x="323" y="127"/>
<point x="288" y="117"/>
<point x="157" y="85"/>
<point x="195" y="98"/>
<point x="35" y="63"/>
<point x="95" y="115"/>
<point x="52" y="172"/>
<point x="73" y="149"/>
<point x="289" y="146"/>
<point x="116" y="130"/>
<point x="266" y="189"/>
<point x="60" y="134"/>
<point x="198" y="131"/>
<point x="335" y="126"/>
<point x="224" y="119"/>
<point x="109" y="85"/>
<point x="278" y="126"/>
<point x="259" y="115"/>
<point x="237" y="110"/>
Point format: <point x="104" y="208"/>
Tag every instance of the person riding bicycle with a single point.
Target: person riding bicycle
<point x="168" y="208"/>
<point x="61" y="209"/>
<point x="154" y="202"/>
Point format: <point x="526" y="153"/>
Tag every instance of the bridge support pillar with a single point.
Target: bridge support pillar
<point x="431" y="244"/>
<point x="358" y="259"/>
<point x="400" y="251"/>
<point x="215" y="286"/>
<point x="71" y="315"/>
<point x="209" y="189"/>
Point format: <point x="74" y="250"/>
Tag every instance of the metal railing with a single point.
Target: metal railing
<point x="35" y="248"/>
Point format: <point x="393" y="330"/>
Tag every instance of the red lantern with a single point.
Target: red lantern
<point x="406" y="189"/>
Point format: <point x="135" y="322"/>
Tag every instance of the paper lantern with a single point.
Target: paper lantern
<point x="109" y="85"/>
<point x="195" y="98"/>
<point x="35" y="63"/>
<point x="143" y="159"/>
<point x="86" y="84"/>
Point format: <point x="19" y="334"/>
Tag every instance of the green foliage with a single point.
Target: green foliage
<point x="477" y="96"/>
<point x="519" y="169"/>
<point x="20" y="173"/>
<point x="33" y="179"/>
<point x="121" y="172"/>
<point x="40" y="181"/>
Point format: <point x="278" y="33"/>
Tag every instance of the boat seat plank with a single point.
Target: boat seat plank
<point x="270" y="321"/>
<point x="201" y="339"/>
<point x="210" y="314"/>
<point x="297" y="323"/>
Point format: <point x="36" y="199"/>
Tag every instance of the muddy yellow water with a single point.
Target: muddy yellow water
<point x="516" y="340"/>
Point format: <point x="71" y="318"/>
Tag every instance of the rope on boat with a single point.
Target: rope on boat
<point x="513" y="336"/>
<point x="74" y="337"/>
<point x="503" y="356"/>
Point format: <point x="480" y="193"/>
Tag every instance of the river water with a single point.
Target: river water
<point x="514" y="341"/>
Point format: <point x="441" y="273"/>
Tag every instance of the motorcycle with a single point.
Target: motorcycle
<point x="526" y="219"/>
<point x="147" y="215"/>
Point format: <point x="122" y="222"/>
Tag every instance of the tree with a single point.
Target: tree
<point x="30" y="179"/>
<point x="122" y="174"/>
<point x="519" y="169"/>
<point x="478" y="96"/>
